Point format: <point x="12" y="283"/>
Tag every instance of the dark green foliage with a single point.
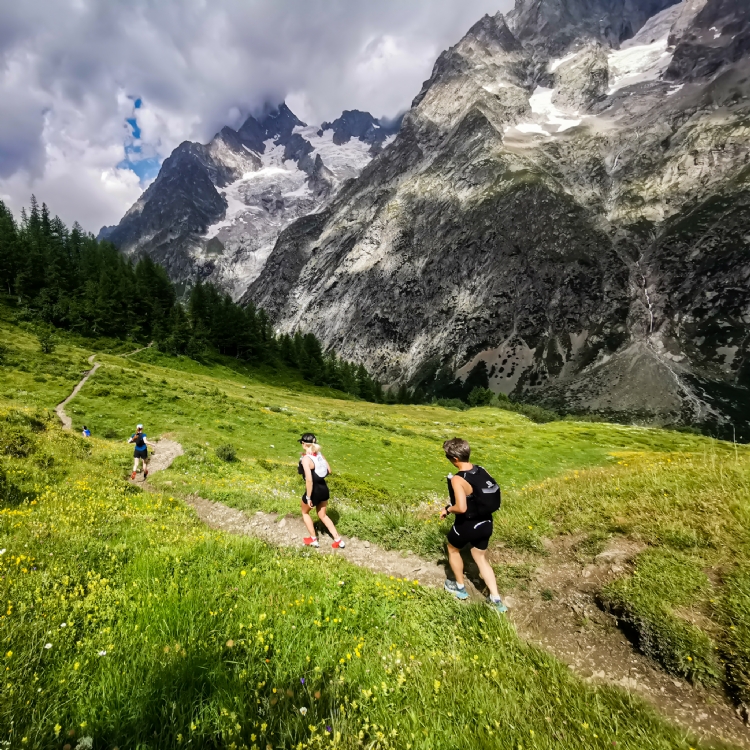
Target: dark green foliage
<point x="66" y="279"/>
<point x="10" y="494"/>
<point x="480" y="397"/>
<point x="227" y="452"/>
<point x="46" y="338"/>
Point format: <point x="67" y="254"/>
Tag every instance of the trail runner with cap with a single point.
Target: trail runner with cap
<point x="474" y="497"/>
<point x="140" y="453"/>
<point x="314" y="468"/>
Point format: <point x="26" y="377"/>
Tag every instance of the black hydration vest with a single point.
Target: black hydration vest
<point x="485" y="497"/>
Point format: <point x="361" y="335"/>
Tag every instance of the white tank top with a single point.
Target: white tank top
<point x="320" y="466"/>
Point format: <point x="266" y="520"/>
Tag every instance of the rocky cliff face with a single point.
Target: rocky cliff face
<point x="567" y="200"/>
<point x="215" y="211"/>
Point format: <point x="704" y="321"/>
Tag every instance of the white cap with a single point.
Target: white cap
<point x="139" y="427"/>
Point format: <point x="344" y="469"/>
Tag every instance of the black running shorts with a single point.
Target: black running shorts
<point x="140" y="454"/>
<point x="474" y="532"/>
<point x="320" y="494"/>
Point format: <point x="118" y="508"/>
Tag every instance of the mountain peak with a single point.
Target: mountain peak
<point x="353" y="123"/>
<point x="274" y="122"/>
<point x="491" y="30"/>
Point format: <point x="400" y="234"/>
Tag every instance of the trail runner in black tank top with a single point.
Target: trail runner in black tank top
<point x="469" y="529"/>
<point x="314" y="468"/>
<point x="140" y="451"/>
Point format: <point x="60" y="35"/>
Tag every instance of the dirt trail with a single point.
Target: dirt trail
<point x="67" y="422"/>
<point x="556" y="611"/>
<point x="142" y="349"/>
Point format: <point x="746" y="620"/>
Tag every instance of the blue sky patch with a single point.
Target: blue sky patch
<point x="146" y="167"/>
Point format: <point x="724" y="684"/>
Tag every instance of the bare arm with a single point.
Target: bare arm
<point x="460" y="487"/>
<point x="307" y="464"/>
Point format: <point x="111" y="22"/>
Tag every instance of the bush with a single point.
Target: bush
<point x="480" y="397"/>
<point x="10" y="494"/>
<point x="227" y="452"/>
<point x="451" y="403"/>
<point x="47" y="340"/>
<point x="537" y="414"/>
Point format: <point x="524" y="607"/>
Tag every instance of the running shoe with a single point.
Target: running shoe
<point x="339" y="544"/>
<point x="498" y="605"/>
<point x="145" y="473"/>
<point x="132" y="477"/>
<point x="311" y="541"/>
<point x="452" y="588"/>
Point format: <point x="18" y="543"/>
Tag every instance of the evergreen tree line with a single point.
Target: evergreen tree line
<point x="68" y="279"/>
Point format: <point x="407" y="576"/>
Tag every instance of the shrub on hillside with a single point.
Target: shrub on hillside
<point x="47" y="339"/>
<point x="480" y="397"/>
<point x="227" y="452"/>
<point x="10" y="494"/>
<point x="451" y="403"/>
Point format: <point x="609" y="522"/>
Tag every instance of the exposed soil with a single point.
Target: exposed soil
<point x="556" y="609"/>
<point x="67" y="422"/>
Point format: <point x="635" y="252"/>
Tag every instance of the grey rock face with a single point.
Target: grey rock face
<point x="582" y="81"/>
<point x="215" y="211"/>
<point x="596" y="260"/>
<point x="362" y="125"/>
<point x="715" y="36"/>
<point x="557" y="24"/>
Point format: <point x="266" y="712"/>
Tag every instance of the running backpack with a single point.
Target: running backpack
<point x="485" y="498"/>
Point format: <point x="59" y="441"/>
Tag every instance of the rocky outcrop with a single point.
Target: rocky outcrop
<point x="556" y="25"/>
<point x="576" y="222"/>
<point x="712" y="38"/>
<point x="362" y="125"/>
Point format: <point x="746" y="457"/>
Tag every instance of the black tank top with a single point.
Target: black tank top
<point x="485" y="494"/>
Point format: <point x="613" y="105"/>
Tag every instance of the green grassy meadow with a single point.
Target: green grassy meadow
<point x="126" y="620"/>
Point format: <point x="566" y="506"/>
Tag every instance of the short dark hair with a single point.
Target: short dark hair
<point x="457" y="448"/>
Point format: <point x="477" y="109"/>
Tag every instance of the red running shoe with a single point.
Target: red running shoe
<point x="311" y="541"/>
<point x="339" y="544"/>
<point x="145" y="473"/>
<point x="132" y="476"/>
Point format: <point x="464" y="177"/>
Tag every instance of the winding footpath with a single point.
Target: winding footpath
<point x="67" y="422"/>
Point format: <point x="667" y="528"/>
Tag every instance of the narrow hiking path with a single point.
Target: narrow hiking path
<point x="67" y="422"/>
<point x="142" y="349"/>
<point x="569" y="625"/>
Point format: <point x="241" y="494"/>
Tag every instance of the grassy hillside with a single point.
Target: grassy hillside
<point x="162" y="633"/>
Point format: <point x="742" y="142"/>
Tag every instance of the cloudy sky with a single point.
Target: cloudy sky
<point x="96" y="93"/>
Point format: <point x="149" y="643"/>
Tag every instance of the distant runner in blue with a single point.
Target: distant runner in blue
<point x="86" y="432"/>
<point x="141" y="451"/>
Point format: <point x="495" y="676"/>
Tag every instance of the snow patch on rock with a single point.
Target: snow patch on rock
<point x="638" y="64"/>
<point x="345" y="161"/>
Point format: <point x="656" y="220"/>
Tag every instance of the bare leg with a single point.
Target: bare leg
<point x="306" y="518"/>
<point x="135" y="464"/>
<point x="456" y="563"/>
<point x="327" y="522"/>
<point x="485" y="570"/>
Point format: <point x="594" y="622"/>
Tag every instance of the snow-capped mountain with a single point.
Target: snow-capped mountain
<point x="215" y="211"/>
<point x="568" y="199"/>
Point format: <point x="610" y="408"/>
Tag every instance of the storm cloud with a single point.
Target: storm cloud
<point x="95" y="94"/>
